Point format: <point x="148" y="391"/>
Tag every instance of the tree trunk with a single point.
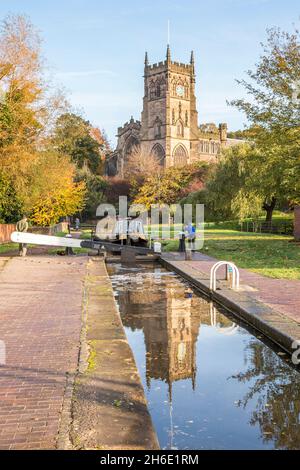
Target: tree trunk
<point x="269" y="208"/>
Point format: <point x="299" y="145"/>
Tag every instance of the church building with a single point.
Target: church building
<point x="169" y="128"/>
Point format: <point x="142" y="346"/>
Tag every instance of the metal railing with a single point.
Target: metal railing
<point x="231" y="267"/>
<point x="226" y="330"/>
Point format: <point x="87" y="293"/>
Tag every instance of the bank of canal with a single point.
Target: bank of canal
<point x="210" y="382"/>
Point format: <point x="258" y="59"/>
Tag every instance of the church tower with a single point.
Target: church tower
<point x="168" y="128"/>
<point x="169" y="122"/>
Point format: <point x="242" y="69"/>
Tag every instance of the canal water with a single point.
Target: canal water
<point x="210" y="384"/>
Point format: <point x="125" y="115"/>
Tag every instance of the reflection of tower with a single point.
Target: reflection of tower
<point x="181" y="343"/>
<point x="170" y="324"/>
<point x="169" y="316"/>
<point x="171" y="339"/>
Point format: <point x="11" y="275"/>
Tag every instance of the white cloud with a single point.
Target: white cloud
<point x="85" y="73"/>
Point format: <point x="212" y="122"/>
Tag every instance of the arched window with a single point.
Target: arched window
<point x="180" y="129"/>
<point x="152" y="93"/>
<point x="180" y="155"/>
<point x="159" y="153"/>
<point x="132" y="146"/>
<point x="157" y="128"/>
<point x="158" y="91"/>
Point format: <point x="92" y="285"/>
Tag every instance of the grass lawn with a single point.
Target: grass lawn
<point x="270" y="255"/>
<point x="8" y="247"/>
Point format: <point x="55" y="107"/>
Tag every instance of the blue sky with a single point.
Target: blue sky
<point x="96" y="48"/>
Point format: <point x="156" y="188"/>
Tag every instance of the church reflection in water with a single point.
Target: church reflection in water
<point x="170" y="320"/>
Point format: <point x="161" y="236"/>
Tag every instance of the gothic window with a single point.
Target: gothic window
<point x="180" y="155"/>
<point x="132" y="147"/>
<point x="152" y="93"/>
<point x="180" y="129"/>
<point x="158" y="91"/>
<point x="157" y="128"/>
<point x="159" y="153"/>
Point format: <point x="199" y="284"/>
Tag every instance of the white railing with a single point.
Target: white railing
<point x="225" y="330"/>
<point x="235" y="274"/>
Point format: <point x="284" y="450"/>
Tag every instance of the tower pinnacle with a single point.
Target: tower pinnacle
<point x="168" y="54"/>
<point x="192" y="58"/>
<point x="146" y="59"/>
<point x="192" y="62"/>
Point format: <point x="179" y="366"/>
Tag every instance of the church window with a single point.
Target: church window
<point x="152" y="93"/>
<point x="159" y="153"/>
<point x="157" y="128"/>
<point x="158" y="91"/>
<point x="180" y="155"/>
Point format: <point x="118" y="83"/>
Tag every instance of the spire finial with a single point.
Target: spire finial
<point x="146" y="59"/>
<point x="168" y="53"/>
<point x="193" y="62"/>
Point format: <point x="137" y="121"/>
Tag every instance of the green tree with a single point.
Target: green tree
<point x="274" y="116"/>
<point x="10" y="205"/>
<point x="95" y="191"/>
<point x="73" y="136"/>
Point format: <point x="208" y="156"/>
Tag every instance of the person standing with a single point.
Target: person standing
<point x="191" y="235"/>
<point x="22" y="226"/>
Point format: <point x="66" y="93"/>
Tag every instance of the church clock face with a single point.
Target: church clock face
<point x="180" y="90"/>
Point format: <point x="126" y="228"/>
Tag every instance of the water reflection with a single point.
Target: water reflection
<point x="225" y="388"/>
<point x="171" y="331"/>
<point x="278" y="408"/>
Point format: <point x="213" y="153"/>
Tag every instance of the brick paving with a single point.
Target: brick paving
<point x="280" y="294"/>
<point x="40" y="311"/>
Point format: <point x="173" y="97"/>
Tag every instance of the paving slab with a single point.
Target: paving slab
<point x="40" y="311"/>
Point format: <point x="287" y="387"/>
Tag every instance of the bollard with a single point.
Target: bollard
<point x="182" y="247"/>
<point x="188" y="254"/>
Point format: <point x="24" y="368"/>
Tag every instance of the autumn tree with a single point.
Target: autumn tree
<point x="21" y="101"/>
<point x="165" y="187"/>
<point x="31" y="173"/>
<point x="138" y="166"/>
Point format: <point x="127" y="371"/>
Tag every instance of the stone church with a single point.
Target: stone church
<point x="168" y="128"/>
